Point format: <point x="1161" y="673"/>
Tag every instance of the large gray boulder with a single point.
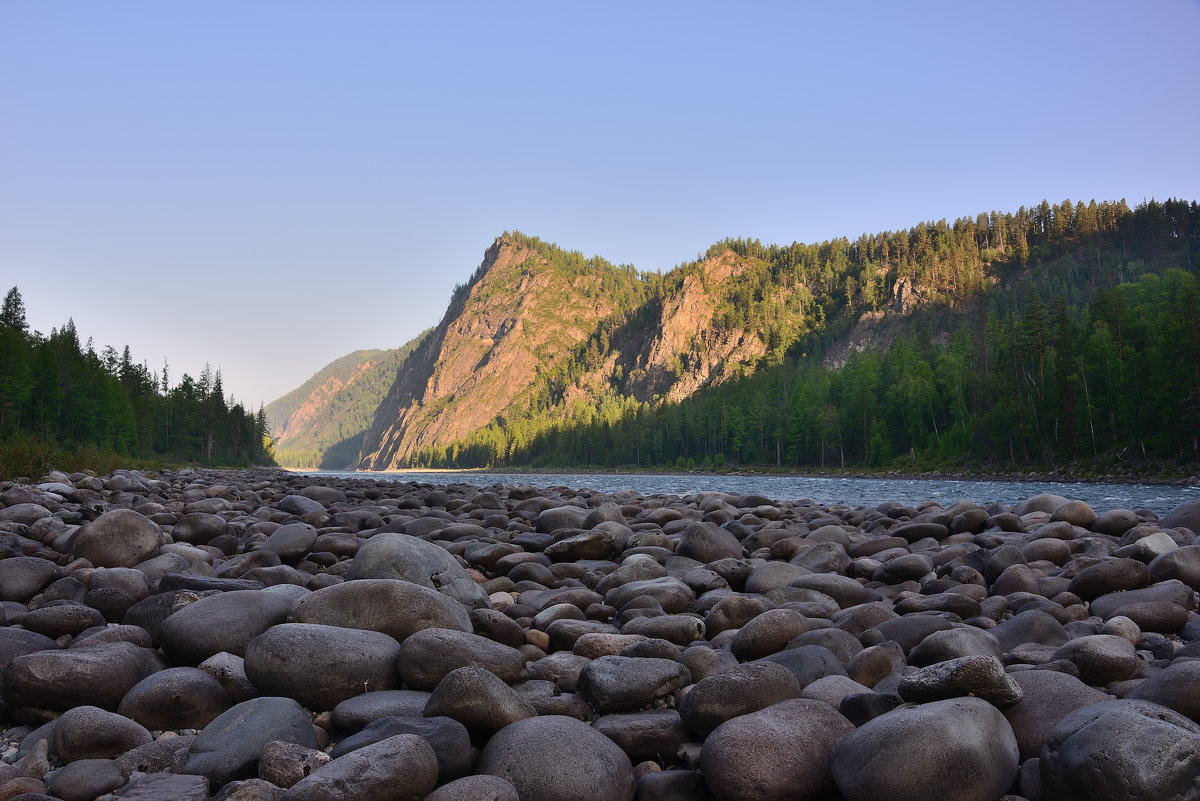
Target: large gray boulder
<point x="624" y="683"/>
<point x="1121" y="749"/>
<point x="960" y="749"/>
<point x="428" y="655"/>
<point x="399" y="556"/>
<point x="227" y="622"/>
<point x="120" y="538"/>
<point x="62" y="679"/>
<point x="778" y="753"/>
<point x="391" y="606"/>
<point x="557" y="758"/>
<point x="736" y="691"/>
<point x="321" y="666"/>
<point x="229" y="747"/>
<point x="403" y="766"/>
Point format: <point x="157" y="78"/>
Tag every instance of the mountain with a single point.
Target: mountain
<point x="547" y="357"/>
<point x="540" y="329"/>
<point x="321" y="423"/>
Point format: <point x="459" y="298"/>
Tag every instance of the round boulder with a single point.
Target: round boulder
<point x="321" y="666"/>
<point x="428" y="655"/>
<point x="960" y="749"/>
<point x="399" y="556"/>
<point x="403" y="766"/>
<point x="88" y="732"/>
<point x="780" y="752"/>
<point x="229" y="747"/>
<point x="1121" y="749"/>
<point x="120" y="538"/>
<point x="176" y="698"/>
<point x="227" y="622"/>
<point x="358" y="604"/>
<point x="557" y="758"/>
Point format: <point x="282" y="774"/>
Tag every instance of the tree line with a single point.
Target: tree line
<point x="62" y="392"/>
<point x="1060" y="333"/>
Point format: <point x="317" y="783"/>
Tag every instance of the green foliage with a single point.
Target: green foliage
<point x="330" y="437"/>
<point x="60" y="402"/>
<point x="1059" y="333"/>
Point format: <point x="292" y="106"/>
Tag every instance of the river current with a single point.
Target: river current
<point x="850" y="491"/>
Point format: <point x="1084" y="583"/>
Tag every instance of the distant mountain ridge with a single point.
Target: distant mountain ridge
<point x="547" y="357"/>
<point x="321" y="423"/>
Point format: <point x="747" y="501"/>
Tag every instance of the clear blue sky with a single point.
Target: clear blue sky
<point x="267" y="186"/>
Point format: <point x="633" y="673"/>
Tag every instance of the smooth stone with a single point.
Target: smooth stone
<point x="653" y="734"/>
<point x="779" y="752"/>
<point x="225" y="622"/>
<point x="1100" y="658"/>
<point x="475" y="788"/>
<point x="22" y="577"/>
<point x="175" y="698"/>
<point x="1049" y="696"/>
<point x="449" y="739"/>
<point x="768" y="633"/>
<point x="1170" y="591"/>
<point x="736" y="691"/>
<point x="477" y="698"/>
<point x="321" y="666"/>
<point x="1121" y="749"/>
<point x="960" y="749"/>
<point x="403" y="766"/>
<point x="88" y="732"/>
<point x="118" y="538"/>
<point x="672" y="785"/>
<point x="428" y="655"/>
<point x="954" y="643"/>
<point x="399" y="556"/>
<point x="85" y="779"/>
<point x="1110" y="575"/>
<point x="621" y="684"/>
<point x="16" y="642"/>
<point x="354" y="713"/>
<point x="558" y="758"/>
<point x="1177" y="688"/>
<point x="199" y="528"/>
<point x="708" y="542"/>
<point x="229" y="747"/>
<point x="64" y="679"/>
<point x="807" y="663"/>
<point x="291" y="541"/>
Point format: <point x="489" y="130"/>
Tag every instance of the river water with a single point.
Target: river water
<point x="850" y="491"/>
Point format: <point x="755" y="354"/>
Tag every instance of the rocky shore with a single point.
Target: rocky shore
<point x="265" y="635"/>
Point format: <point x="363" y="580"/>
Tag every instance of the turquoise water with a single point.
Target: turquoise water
<point x="850" y="491"/>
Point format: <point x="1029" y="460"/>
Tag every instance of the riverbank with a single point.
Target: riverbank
<point x="537" y="638"/>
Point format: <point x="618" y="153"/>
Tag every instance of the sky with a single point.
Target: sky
<point x="266" y="186"/>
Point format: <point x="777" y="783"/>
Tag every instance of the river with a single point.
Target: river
<point x="850" y="491"/>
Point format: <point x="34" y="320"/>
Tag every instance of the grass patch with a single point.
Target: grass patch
<point x="27" y="457"/>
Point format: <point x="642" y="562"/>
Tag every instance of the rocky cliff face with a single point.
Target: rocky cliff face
<point x="515" y="318"/>
<point x="313" y="421"/>
<point x="520" y="317"/>
<point x="687" y="353"/>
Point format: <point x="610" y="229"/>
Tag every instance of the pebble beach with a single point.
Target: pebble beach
<point x="264" y="635"/>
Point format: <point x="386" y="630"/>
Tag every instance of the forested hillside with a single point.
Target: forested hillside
<point x="1056" y="334"/>
<point x="321" y="424"/>
<point x="53" y="390"/>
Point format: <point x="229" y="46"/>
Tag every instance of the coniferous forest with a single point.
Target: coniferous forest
<point x="1061" y="335"/>
<point x="57" y="393"/>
